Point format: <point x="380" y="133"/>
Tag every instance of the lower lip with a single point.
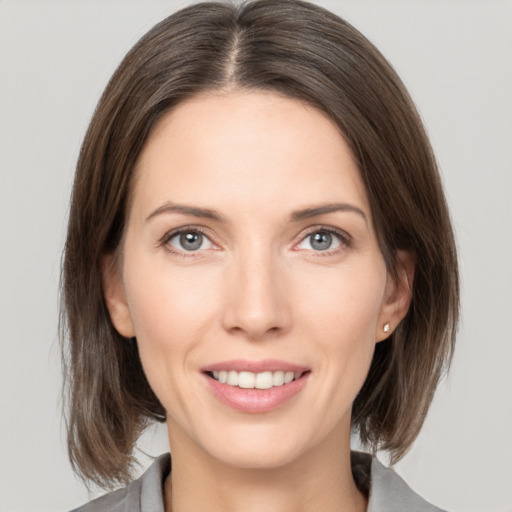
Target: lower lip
<point x="256" y="400"/>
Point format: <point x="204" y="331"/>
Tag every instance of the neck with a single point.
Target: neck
<point x="318" y="480"/>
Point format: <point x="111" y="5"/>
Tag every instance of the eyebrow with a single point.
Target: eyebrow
<point x="182" y="209"/>
<point x="296" y="216"/>
<point x="327" y="208"/>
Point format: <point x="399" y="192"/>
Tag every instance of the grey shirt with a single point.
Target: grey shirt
<point x="386" y="491"/>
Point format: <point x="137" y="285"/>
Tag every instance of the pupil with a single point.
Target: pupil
<point x="321" y="241"/>
<point x="191" y="241"/>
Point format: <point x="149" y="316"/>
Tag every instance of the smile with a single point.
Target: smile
<point x="250" y="380"/>
<point x="255" y="386"/>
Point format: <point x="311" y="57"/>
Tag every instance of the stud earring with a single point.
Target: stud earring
<point x="386" y="327"/>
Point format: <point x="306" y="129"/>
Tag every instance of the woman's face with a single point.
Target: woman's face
<point x="250" y="255"/>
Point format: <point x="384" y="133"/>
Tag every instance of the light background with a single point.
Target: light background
<point x="455" y="57"/>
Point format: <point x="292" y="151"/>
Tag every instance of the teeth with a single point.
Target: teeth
<point x="246" y="380"/>
<point x="278" y="378"/>
<point x="232" y="378"/>
<point x="264" y="380"/>
<point x="250" y="380"/>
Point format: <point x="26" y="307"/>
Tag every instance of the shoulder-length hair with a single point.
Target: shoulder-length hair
<point x="304" y="52"/>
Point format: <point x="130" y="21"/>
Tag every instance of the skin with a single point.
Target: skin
<point x="256" y="289"/>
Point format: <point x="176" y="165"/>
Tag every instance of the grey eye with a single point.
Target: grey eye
<point x="190" y="241"/>
<point x="321" y="241"/>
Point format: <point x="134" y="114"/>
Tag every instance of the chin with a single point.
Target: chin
<point x="257" y="448"/>
<point x="258" y="459"/>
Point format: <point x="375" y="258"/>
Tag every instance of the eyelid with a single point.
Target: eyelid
<point x="169" y="235"/>
<point x="345" y="238"/>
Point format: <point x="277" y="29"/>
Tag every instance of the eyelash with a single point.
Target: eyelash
<point x="344" y="238"/>
<point x="164" y="241"/>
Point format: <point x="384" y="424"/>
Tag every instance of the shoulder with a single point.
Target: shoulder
<point x="387" y="490"/>
<point x="145" y="493"/>
<point x="116" y="501"/>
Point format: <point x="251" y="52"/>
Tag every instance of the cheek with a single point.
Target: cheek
<point x="171" y="313"/>
<point x="166" y="303"/>
<point x="345" y="305"/>
<point x="341" y="315"/>
<point x="335" y="314"/>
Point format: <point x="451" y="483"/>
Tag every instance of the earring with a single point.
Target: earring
<point x="386" y="327"/>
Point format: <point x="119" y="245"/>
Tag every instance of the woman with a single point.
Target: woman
<point x="259" y="254"/>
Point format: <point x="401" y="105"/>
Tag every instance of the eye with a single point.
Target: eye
<point x="323" y="240"/>
<point x="189" y="241"/>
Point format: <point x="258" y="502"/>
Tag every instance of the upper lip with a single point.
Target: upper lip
<point x="243" y="365"/>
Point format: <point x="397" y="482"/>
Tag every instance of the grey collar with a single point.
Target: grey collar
<point x="386" y="491"/>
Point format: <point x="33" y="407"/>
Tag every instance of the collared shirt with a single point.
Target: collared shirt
<point x="386" y="491"/>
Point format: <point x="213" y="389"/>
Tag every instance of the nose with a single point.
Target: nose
<point x="257" y="305"/>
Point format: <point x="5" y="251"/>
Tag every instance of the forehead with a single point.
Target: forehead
<point x="247" y="146"/>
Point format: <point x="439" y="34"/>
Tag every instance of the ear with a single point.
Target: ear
<point x="397" y="297"/>
<point x="115" y="297"/>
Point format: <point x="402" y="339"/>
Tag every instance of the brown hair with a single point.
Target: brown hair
<point x="304" y="52"/>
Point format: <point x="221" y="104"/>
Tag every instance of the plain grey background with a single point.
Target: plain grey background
<point x="455" y="57"/>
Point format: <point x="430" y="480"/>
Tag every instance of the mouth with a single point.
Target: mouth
<point x="256" y="387"/>
<point x="251" y="380"/>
